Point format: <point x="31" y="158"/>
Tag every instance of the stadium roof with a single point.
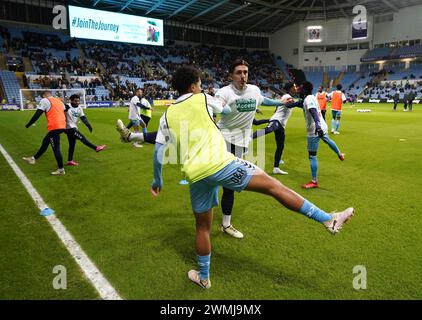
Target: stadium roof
<point x="249" y="16"/>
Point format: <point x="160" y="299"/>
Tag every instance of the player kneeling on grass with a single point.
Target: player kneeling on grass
<point x="74" y="112"/>
<point x="317" y="129"/>
<point x="208" y="165"/>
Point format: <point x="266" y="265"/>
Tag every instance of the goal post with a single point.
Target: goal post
<point x="29" y="98"/>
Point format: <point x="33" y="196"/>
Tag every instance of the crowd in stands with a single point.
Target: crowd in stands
<point x="159" y="62"/>
<point x="47" y="64"/>
<point x="147" y="66"/>
<point x="388" y="90"/>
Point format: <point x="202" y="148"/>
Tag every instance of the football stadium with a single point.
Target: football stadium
<point x="205" y="150"/>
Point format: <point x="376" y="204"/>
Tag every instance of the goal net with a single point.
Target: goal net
<point x="29" y="98"/>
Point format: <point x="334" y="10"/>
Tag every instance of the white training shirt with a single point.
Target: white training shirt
<point x="214" y="105"/>
<point x="72" y="116"/>
<point x="311" y="102"/>
<point x="236" y="127"/>
<point x="44" y="105"/>
<point x="134" y="109"/>
<point x="282" y="113"/>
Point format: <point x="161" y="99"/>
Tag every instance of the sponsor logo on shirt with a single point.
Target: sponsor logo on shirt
<point x="245" y="105"/>
<point x="75" y="114"/>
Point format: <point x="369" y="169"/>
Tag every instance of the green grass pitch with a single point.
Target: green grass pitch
<point x="145" y="246"/>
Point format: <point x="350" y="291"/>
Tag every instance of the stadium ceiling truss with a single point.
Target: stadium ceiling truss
<point x="246" y="16"/>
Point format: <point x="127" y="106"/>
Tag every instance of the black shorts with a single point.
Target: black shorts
<point x="145" y="118"/>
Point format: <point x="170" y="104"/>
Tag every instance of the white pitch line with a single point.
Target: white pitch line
<point x="100" y="283"/>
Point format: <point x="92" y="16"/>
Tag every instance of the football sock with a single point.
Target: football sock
<point x="204" y="266"/>
<point x="314" y="167"/>
<point x="226" y="220"/>
<point x="136" y="136"/>
<point x="332" y="146"/>
<point x="313" y="212"/>
<point x="332" y="124"/>
<point x="337" y="124"/>
<point x="227" y="201"/>
<point x="144" y="130"/>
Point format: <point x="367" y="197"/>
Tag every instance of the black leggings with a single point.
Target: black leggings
<point x="52" y="138"/>
<point x="280" y="137"/>
<point x="150" y="137"/>
<point x="146" y="119"/>
<point x="258" y="122"/>
<point x="227" y="200"/>
<point x="72" y="135"/>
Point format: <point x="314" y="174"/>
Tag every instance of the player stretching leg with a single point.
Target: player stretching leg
<point x="208" y="165"/>
<point x="56" y="125"/>
<point x="214" y="106"/>
<point x="73" y="113"/>
<point x="278" y="124"/>
<point x="317" y="130"/>
<point x="236" y="127"/>
<point x="134" y="114"/>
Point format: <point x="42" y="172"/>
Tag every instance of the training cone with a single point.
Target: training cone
<point x="47" y="212"/>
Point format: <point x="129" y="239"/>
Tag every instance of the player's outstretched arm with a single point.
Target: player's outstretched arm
<point x="218" y="105"/>
<point x="298" y="104"/>
<point x="157" y="183"/>
<point x="142" y="106"/>
<point x="85" y="121"/>
<point x="34" y="118"/>
<point x="271" y="102"/>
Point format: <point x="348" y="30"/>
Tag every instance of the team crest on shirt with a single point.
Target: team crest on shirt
<point x="75" y="113"/>
<point x="245" y="105"/>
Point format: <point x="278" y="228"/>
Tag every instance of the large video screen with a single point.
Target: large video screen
<point x="110" y="26"/>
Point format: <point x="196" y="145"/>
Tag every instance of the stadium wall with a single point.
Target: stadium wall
<point x="337" y="59"/>
<point x="285" y="42"/>
<point x="291" y="39"/>
<point x="406" y="25"/>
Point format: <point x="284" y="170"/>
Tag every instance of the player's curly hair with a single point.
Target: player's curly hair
<point x="184" y="77"/>
<point x="74" y="96"/>
<point x="307" y="87"/>
<point x="288" y="86"/>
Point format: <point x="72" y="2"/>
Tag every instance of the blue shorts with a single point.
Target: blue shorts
<point x="336" y="114"/>
<point x="135" y="122"/>
<point x="235" y="176"/>
<point x="313" y="142"/>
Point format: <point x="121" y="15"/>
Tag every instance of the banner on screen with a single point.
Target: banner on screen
<point x="110" y="26"/>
